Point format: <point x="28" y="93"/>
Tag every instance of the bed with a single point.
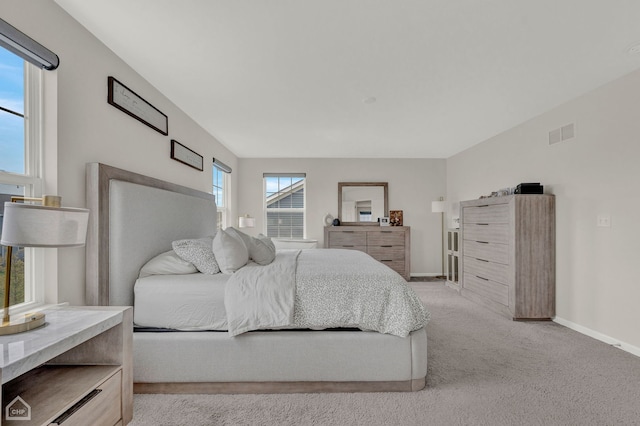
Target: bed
<point x="134" y="218"/>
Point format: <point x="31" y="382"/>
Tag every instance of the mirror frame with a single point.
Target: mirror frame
<point x="385" y="187"/>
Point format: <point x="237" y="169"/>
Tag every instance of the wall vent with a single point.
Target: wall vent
<point x="562" y="134"/>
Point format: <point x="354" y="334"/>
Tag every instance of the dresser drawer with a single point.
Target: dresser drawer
<point x="396" y="265"/>
<point x="496" y="213"/>
<point x="494" y="233"/>
<point x="103" y="409"/>
<point x="494" y="271"/>
<point x="347" y="238"/>
<point x="493" y="252"/>
<point x="492" y="290"/>
<point x="386" y="253"/>
<point x="385" y="238"/>
<point x="360" y="248"/>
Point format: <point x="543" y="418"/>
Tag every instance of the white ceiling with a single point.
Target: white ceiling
<point x="294" y="78"/>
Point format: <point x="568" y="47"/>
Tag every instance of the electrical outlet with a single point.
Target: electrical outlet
<point x="604" y="221"/>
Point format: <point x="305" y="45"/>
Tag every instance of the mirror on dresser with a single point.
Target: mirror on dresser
<point x="362" y="203"/>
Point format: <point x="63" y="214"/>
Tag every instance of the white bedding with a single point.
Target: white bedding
<point x="333" y="288"/>
<point x="181" y="302"/>
<point x="304" y="289"/>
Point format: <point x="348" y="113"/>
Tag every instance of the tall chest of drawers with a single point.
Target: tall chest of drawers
<point x="390" y="245"/>
<point x="508" y="254"/>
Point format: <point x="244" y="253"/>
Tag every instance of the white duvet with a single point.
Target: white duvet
<point x="322" y="289"/>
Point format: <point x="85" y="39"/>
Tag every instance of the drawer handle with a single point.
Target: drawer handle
<point x="347" y="246"/>
<point x="483" y="224"/>
<point x="386" y="260"/>
<point x="348" y="232"/>
<point x="386" y="232"/>
<point x="482" y="260"/>
<point x="485" y="279"/>
<point x="482" y="242"/>
<point x="78" y="405"/>
<point x="386" y="246"/>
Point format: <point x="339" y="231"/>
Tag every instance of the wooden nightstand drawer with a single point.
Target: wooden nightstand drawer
<point x="103" y="407"/>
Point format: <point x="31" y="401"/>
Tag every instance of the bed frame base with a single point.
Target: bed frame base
<point x="278" y="387"/>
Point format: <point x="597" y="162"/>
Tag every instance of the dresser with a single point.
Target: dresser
<point x="390" y="245"/>
<point x="508" y="254"/>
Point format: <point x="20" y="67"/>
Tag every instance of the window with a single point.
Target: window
<point x="285" y="205"/>
<point x="220" y="190"/>
<point x="20" y="162"/>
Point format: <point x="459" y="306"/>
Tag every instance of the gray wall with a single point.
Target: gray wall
<point x="81" y="127"/>
<point x="593" y="174"/>
<point x="413" y="184"/>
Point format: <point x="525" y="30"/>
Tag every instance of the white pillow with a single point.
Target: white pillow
<point x="230" y="251"/>
<point x="262" y="250"/>
<point x="199" y="252"/>
<point x="167" y="263"/>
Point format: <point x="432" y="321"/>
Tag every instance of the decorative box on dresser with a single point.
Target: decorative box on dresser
<point x="508" y="254"/>
<point x="390" y="245"/>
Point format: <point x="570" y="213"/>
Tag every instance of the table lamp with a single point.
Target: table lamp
<point x="31" y="225"/>
<point x="246" y="221"/>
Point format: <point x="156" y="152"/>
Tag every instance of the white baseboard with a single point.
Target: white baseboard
<point x="599" y="336"/>
<point x="425" y="274"/>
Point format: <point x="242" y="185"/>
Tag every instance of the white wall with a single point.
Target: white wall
<point x="413" y="184"/>
<point x="82" y="127"/>
<point x="595" y="173"/>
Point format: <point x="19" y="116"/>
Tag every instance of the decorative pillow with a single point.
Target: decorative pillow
<point x="230" y="251"/>
<point x="167" y="263"/>
<point x="199" y="252"/>
<point x="262" y="250"/>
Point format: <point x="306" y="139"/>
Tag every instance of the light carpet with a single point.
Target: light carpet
<point x="483" y="369"/>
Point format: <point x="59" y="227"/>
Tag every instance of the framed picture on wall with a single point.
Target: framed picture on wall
<point x="127" y="101"/>
<point x="186" y="156"/>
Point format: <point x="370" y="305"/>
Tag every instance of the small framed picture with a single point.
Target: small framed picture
<point x="395" y="217"/>
<point x="384" y="221"/>
<point x="186" y="156"/>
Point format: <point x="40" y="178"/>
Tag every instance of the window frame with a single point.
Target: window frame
<point x="302" y="210"/>
<point x="32" y="181"/>
<point x="223" y="212"/>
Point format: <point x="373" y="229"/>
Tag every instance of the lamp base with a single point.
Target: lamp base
<point x="24" y="322"/>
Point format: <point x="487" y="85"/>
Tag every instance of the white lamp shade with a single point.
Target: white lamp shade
<point x="246" y="222"/>
<point x="438" y="207"/>
<point x="27" y="225"/>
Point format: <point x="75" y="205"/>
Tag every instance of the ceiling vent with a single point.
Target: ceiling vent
<point x="562" y="134"/>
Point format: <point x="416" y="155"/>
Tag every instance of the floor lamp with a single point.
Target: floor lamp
<point x="440" y="207"/>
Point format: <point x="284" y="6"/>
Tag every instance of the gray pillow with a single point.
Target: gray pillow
<point x="262" y="250"/>
<point x="167" y="263"/>
<point x="230" y="251"/>
<point x="199" y="252"/>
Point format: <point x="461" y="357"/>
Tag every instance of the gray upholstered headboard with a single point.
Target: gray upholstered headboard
<point x="133" y="218"/>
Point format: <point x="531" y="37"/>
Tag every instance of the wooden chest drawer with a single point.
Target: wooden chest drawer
<point x="492" y="290"/>
<point x="494" y="271"/>
<point x="496" y="213"/>
<point x="347" y="238"/>
<point x="494" y="233"/>
<point x="385" y="238"/>
<point x="493" y="252"/>
<point x="386" y="253"/>
<point x="360" y="248"/>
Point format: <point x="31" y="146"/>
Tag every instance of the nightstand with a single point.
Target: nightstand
<point x="75" y="370"/>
